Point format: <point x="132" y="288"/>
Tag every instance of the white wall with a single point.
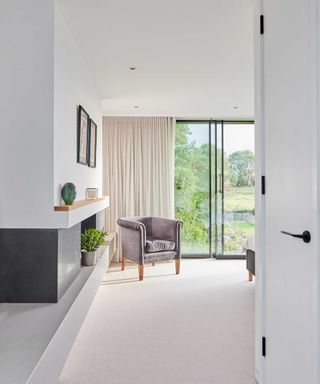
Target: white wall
<point x="43" y="80"/>
<point x="26" y="105"/>
<point x="73" y="85"/>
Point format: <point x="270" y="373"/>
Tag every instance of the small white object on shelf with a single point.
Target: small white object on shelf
<point x="91" y="193"/>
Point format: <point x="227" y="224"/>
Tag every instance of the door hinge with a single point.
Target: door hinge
<point x="261" y="24"/>
<point x="263" y="346"/>
<point x="263" y="185"/>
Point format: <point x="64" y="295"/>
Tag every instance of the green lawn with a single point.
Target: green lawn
<point x="243" y="225"/>
<point x="237" y="228"/>
<point x="236" y="233"/>
<point x="239" y="199"/>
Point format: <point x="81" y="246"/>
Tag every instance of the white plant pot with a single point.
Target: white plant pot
<point x="89" y="258"/>
<point x="98" y="253"/>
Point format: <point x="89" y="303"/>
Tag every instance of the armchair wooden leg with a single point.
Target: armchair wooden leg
<point x="177" y="266"/>
<point x="250" y="276"/>
<point x="140" y="267"/>
<point x="123" y="263"/>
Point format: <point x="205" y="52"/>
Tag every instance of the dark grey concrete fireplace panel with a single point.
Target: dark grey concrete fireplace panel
<point x="38" y="265"/>
<point x="94" y="221"/>
<point x="69" y="257"/>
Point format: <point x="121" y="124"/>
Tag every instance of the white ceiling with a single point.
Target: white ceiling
<point x="193" y="58"/>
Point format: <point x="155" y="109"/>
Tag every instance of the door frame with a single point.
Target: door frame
<point x="259" y="198"/>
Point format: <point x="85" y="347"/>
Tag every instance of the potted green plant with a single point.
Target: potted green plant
<point x="91" y="240"/>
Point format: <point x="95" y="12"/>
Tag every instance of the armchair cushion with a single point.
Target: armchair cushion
<point x="160" y="256"/>
<point x="158" y="245"/>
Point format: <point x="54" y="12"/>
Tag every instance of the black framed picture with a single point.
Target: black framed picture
<point x="83" y="136"/>
<point x="92" y="153"/>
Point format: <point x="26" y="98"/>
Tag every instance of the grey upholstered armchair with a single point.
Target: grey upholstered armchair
<point x="149" y="240"/>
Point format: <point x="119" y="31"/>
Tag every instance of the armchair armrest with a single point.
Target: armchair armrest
<point x="133" y="239"/>
<point x="131" y="224"/>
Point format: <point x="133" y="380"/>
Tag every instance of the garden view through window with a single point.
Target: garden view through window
<point x="214" y="186"/>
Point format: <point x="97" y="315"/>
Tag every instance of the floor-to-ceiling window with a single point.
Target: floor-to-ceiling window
<point x="214" y="186"/>
<point x="192" y="185"/>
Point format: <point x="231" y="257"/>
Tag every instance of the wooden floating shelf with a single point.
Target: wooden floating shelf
<point x="78" y="204"/>
<point x="69" y="215"/>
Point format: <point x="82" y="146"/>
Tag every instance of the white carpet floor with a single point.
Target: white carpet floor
<point x="195" y="328"/>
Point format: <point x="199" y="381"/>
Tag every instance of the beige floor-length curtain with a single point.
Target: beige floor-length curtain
<point x="138" y="168"/>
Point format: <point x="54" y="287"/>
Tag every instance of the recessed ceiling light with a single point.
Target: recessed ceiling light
<point x="235" y="107"/>
<point x="132" y="68"/>
<point x="136" y="106"/>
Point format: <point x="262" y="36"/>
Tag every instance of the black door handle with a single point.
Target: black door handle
<point x="306" y="235"/>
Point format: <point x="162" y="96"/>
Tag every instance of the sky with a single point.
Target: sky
<point x="237" y="137"/>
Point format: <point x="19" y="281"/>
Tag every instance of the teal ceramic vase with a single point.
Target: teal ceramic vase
<point x="68" y="193"/>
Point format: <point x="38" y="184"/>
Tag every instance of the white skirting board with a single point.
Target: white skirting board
<point x="35" y="339"/>
<point x="257" y="376"/>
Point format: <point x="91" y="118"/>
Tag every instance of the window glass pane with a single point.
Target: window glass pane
<point x="218" y="170"/>
<point x="192" y="186"/>
<point x="239" y="189"/>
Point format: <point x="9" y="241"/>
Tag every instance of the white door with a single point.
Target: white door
<point x="290" y="122"/>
